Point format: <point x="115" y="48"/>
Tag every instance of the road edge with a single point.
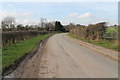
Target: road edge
<point x="113" y="57"/>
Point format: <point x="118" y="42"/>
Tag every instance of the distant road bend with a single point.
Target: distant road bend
<point x="63" y="58"/>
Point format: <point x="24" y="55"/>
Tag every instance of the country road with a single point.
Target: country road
<point x="63" y="58"/>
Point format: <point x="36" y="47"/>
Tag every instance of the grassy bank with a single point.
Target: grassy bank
<point x="104" y="43"/>
<point x="15" y="51"/>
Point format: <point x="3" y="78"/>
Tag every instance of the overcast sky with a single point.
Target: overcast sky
<point x="66" y="12"/>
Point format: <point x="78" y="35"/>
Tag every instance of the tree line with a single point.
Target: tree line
<point x="9" y="24"/>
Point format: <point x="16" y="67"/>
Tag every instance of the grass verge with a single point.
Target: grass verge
<point x="104" y="43"/>
<point x="15" y="51"/>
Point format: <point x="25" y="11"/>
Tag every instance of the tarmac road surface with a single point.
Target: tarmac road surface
<point x="63" y="58"/>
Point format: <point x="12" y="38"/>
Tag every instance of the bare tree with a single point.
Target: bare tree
<point x="8" y="22"/>
<point x="51" y="26"/>
<point x="42" y="22"/>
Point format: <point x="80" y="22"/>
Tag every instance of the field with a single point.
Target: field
<point x="104" y="43"/>
<point x="112" y="29"/>
<point x="17" y="50"/>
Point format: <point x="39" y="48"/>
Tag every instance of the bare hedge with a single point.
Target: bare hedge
<point x="9" y="38"/>
<point x="91" y="32"/>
